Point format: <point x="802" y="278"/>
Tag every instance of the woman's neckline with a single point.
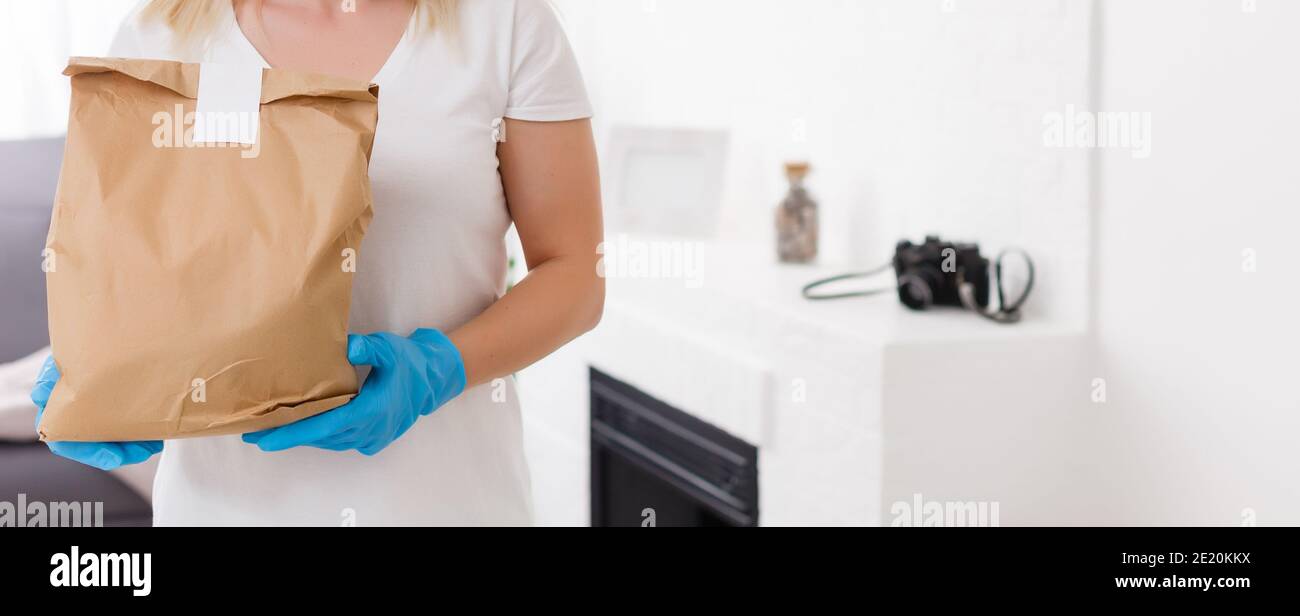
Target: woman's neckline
<point x="244" y="41"/>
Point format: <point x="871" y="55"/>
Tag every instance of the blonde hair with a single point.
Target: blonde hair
<point x="194" y="20"/>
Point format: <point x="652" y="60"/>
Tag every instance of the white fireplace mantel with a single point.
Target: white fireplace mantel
<point x="823" y="389"/>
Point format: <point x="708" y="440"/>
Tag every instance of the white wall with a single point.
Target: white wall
<point x="38" y="38"/>
<point x="917" y="118"/>
<point x="1199" y="356"/>
<point x="917" y="115"/>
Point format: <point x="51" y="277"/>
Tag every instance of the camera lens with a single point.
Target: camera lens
<point x="916" y="287"/>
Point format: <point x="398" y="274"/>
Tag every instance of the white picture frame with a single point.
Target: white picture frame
<point x="665" y="181"/>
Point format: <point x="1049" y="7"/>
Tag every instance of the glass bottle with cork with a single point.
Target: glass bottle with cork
<point x="796" y="219"/>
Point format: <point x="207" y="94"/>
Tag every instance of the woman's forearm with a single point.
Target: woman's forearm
<point x="552" y="186"/>
<point x="559" y="300"/>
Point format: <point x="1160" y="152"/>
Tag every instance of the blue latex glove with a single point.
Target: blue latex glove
<point x="103" y="456"/>
<point x="409" y="377"/>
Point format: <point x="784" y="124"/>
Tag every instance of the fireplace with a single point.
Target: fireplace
<point x="654" y="465"/>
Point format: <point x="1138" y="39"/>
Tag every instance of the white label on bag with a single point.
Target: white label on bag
<point x="230" y="96"/>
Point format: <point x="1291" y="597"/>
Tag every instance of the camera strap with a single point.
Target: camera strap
<point x="1006" y="313"/>
<point x="808" y="288"/>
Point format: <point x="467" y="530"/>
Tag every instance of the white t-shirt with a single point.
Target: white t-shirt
<point x="434" y="256"/>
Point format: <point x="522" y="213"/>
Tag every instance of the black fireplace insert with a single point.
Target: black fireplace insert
<point x="654" y="465"/>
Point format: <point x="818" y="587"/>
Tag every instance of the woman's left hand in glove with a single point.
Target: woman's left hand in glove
<point x="409" y="377"/>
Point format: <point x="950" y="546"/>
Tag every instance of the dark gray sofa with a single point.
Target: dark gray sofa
<point x="29" y="172"/>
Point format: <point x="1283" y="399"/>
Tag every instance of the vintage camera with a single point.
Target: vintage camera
<point x="930" y="273"/>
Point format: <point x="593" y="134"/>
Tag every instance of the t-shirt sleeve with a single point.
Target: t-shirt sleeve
<point x="127" y="42"/>
<point x="545" y="81"/>
<point x="145" y="39"/>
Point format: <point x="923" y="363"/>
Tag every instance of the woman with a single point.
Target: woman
<point x="484" y="121"/>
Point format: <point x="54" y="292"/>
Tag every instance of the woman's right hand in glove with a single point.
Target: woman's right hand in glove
<point x="103" y="456"/>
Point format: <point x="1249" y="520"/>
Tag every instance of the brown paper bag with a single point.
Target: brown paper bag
<point x="203" y="289"/>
